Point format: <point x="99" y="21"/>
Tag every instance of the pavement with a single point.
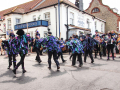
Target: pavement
<point x="102" y="75"/>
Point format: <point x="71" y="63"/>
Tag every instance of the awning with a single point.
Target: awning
<point x="81" y="28"/>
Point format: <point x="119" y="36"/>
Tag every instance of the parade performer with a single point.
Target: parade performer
<point x="37" y="46"/>
<point x="22" y="48"/>
<point x="98" y="47"/>
<point x="10" y="47"/>
<point x="61" y="45"/>
<point x="52" y="47"/>
<point x="118" y="42"/>
<point x="110" y="45"/>
<point x="104" y="44"/>
<point x="77" y="50"/>
<point x="89" y="44"/>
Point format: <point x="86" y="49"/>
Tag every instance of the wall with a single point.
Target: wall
<point x="105" y="14"/>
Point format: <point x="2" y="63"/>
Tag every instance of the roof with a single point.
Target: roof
<point x="22" y="8"/>
<point x="31" y="6"/>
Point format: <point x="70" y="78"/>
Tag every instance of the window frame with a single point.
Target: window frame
<point x="9" y="24"/>
<point x="47" y="17"/>
<point x="72" y="18"/>
<point x="19" y="19"/>
<point x="34" y="18"/>
<point x="95" y="9"/>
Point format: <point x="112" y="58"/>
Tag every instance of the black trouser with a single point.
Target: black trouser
<point x="38" y="53"/>
<point x="97" y="50"/>
<point x="41" y="51"/>
<point x="71" y="55"/>
<point x="79" y="58"/>
<point x="104" y="50"/>
<point x="21" y="62"/>
<point x="54" y="53"/>
<point x="60" y="54"/>
<point x="110" y="48"/>
<point x="90" y="54"/>
<point x="10" y="60"/>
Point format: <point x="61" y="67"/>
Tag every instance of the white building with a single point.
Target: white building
<point x="72" y="20"/>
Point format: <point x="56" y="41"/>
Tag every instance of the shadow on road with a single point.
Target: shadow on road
<point x="39" y="65"/>
<point x="21" y="80"/>
<point x="55" y="73"/>
<point x="8" y="73"/>
<point x="80" y="68"/>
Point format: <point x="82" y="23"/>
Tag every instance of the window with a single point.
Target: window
<point x="95" y="25"/>
<point x="102" y="28"/>
<point x="9" y="23"/>
<point x="17" y="20"/>
<point x="95" y="10"/>
<point x="34" y="18"/>
<point x="88" y="23"/>
<point x="47" y="17"/>
<point x="71" y="18"/>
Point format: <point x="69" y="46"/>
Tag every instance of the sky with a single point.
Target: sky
<point x="5" y="4"/>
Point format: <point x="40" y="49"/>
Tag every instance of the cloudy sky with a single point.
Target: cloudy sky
<point x="10" y="3"/>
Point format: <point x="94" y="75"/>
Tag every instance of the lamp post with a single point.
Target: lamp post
<point x="59" y="15"/>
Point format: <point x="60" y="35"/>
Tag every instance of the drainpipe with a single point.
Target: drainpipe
<point x="59" y="15"/>
<point x="67" y="23"/>
<point x="56" y="18"/>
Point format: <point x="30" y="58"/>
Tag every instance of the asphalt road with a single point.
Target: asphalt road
<point x="102" y="75"/>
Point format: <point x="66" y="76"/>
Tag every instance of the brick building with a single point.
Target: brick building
<point x="98" y="9"/>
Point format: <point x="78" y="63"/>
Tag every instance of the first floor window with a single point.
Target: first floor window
<point x="47" y="17"/>
<point x="17" y="20"/>
<point x="71" y="18"/>
<point x="9" y="23"/>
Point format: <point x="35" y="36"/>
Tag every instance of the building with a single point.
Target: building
<point x="42" y="15"/>
<point x="98" y="9"/>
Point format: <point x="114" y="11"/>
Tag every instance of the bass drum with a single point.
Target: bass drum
<point x="64" y="48"/>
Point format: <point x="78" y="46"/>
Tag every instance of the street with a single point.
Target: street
<point x="101" y="75"/>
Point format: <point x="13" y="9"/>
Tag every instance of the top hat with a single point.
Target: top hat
<point x="20" y="32"/>
<point x="49" y="33"/>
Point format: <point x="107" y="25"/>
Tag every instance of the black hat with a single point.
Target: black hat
<point x="20" y="32"/>
<point x="96" y="30"/>
<point x="12" y="35"/>
<point x="49" y="33"/>
<point x="37" y="34"/>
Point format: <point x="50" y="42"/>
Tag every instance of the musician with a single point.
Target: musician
<point x="110" y="45"/>
<point x="118" y="42"/>
<point x="77" y="50"/>
<point x="89" y="44"/>
<point x="104" y="44"/>
<point x="98" y="47"/>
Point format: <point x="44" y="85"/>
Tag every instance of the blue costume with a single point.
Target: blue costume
<point x="77" y="49"/>
<point x="22" y="48"/>
<point x="89" y="46"/>
<point x="52" y="47"/>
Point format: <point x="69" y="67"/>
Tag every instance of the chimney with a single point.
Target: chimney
<point x="79" y="4"/>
